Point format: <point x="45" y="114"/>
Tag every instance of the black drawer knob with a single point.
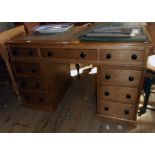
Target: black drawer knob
<point x="34" y="70"/>
<point x="15" y="53"/>
<point x="106" y="108"/>
<point x="107" y="76"/>
<point x="23" y="84"/>
<point x="30" y="52"/>
<point x="126" y="112"/>
<point x="106" y="93"/>
<point x="108" y="56"/>
<point x="134" y="57"/>
<point x="41" y="99"/>
<point x="27" y="97"/>
<point x="18" y="70"/>
<point x="50" y="53"/>
<point x="37" y="85"/>
<point x="83" y="55"/>
<point x="131" y="78"/>
<point x="128" y="96"/>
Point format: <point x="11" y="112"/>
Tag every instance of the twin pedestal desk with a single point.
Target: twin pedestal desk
<point x="41" y="67"/>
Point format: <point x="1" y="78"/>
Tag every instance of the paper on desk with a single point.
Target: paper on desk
<point x="134" y="32"/>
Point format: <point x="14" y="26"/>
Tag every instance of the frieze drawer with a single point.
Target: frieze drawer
<point x="76" y="54"/>
<point x="122" y="56"/>
<point x="24" y="52"/>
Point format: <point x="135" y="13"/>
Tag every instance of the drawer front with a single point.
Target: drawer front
<point x="122" y="56"/>
<point x="24" y="52"/>
<point x="31" y="83"/>
<point x="117" y="110"/>
<point x="118" y="94"/>
<point x="27" y="68"/>
<point x="35" y="98"/>
<point x="76" y="54"/>
<point x="120" y="77"/>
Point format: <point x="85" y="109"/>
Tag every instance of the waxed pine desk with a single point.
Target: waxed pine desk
<point x="41" y="65"/>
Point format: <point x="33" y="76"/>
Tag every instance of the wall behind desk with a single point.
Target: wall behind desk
<point x="6" y="26"/>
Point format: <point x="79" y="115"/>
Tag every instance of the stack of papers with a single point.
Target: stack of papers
<point x="115" y="33"/>
<point x="53" y="28"/>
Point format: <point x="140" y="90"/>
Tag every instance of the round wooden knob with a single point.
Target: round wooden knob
<point x="107" y="76"/>
<point x="106" y="93"/>
<point x="128" y="96"/>
<point x="15" y="53"/>
<point x="37" y="85"/>
<point x="108" y="56"/>
<point x="23" y="84"/>
<point x="50" y="53"/>
<point x="27" y="97"/>
<point x="41" y="99"/>
<point x="83" y="55"/>
<point x="131" y="78"/>
<point x="31" y="53"/>
<point x="34" y="70"/>
<point x="126" y="112"/>
<point x="134" y="57"/>
<point x="18" y="70"/>
<point x="106" y="108"/>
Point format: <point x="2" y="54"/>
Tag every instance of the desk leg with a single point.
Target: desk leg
<point x="14" y="84"/>
<point x="5" y="57"/>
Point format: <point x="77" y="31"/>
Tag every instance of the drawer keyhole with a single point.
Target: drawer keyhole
<point x="128" y="96"/>
<point x="134" y="57"/>
<point x="50" y="53"/>
<point x="31" y="53"/>
<point x="106" y="93"/>
<point x="126" y="112"/>
<point x="108" y="56"/>
<point x="131" y="78"/>
<point x="107" y="76"/>
<point x="83" y="55"/>
<point x="106" y="108"/>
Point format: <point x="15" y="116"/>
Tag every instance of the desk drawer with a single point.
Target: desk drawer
<point x="81" y="54"/>
<point x="32" y="83"/>
<point x="118" y="94"/>
<point x="122" y="56"/>
<point x="116" y="110"/>
<point x="120" y="77"/>
<point x="23" y="52"/>
<point x="35" y="98"/>
<point x="27" y="68"/>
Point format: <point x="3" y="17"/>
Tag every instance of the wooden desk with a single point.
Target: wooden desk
<point x="41" y="67"/>
<point x="4" y="37"/>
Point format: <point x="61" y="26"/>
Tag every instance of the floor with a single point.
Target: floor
<point x="76" y="112"/>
